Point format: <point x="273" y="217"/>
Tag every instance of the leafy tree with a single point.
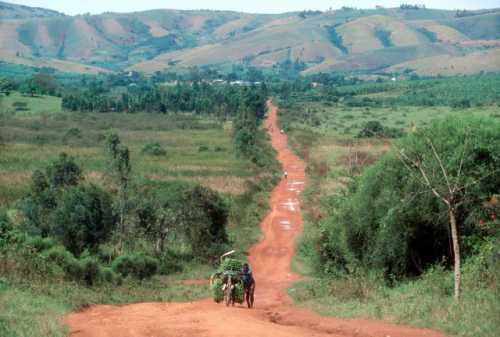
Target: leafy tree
<point x="44" y="84"/>
<point x="194" y="212"/>
<point x="83" y="219"/>
<point x="421" y="204"/>
<point x="46" y="188"/>
<point x="444" y="167"/>
<point x="120" y="172"/>
<point x="63" y="172"/>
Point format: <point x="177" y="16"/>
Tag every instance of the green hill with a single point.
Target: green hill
<point x="156" y="40"/>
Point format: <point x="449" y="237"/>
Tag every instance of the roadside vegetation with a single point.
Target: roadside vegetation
<point x="378" y="242"/>
<point x="106" y="207"/>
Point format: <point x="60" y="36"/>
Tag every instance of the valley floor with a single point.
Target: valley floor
<point x="271" y="258"/>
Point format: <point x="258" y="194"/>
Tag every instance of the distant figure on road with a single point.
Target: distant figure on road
<point x="282" y="131"/>
<point x="285" y="174"/>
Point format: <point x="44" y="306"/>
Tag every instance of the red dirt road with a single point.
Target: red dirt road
<point x="273" y="316"/>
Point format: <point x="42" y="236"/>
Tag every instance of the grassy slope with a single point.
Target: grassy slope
<point x="35" y="105"/>
<point x="308" y="41"/>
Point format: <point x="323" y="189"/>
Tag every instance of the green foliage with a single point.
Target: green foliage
<point x="239" y="293"/>
<point x="376" y="129"/>
<point x="384" y="37"/>
<point x="40" y="244"/>
<point x="217" y="292"/>
<point x="83" y="219"/>
<point x="66" y="261"/>
<point x="80" y="217"/>
<point x="72" y="133"/>
<point x="63" y="172"/>
<point x="231" y="265"/>
<point x="5" y="224"/>
<point x="477" y="89"/>
<point x="387" y="218"/>
<point x="432" y="36"/>
<point x="153" y="149"/>
<point x="136" y="265"/>
<point x="422" y="302"/>
<point x="206" y="222"/>
<point x="192" y="212"/>
<point x="336" y="39"/>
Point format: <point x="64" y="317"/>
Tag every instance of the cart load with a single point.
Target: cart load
<point x="228" y="274"/>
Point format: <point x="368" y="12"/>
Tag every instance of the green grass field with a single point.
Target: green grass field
<point x="345" y="120"/>
<point x="34" y="105"/>
<point x="204" y="155"/>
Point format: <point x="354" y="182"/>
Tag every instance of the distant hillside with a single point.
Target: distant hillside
<point x="13" y="11"/>
<point x="344" y="40"/>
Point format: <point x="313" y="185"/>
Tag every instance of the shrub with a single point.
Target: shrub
<point x="64" y="172"/>
<point x="136" y="265"/>
<point x="20" y="106"/>
<point x="66" y="261"/>
<point x="191" y="211"/>
<point x="203" y="148"/>
<point x="384" y="37"/>
<point x="372" y="129"/>
<point x="109" y="276"/>
<point x="83" y="219"/>
<point x="206" y="218"/>
<point x="377" y="129"/>
<point x="388" y="220"/>
<point x="40" y="244"/>
<point x="217" y="293"/>
<point x="153" y="149"/>
<point x="72" y="133"/>
<point x="91" y="271"/>
<point x="5" y="225"/>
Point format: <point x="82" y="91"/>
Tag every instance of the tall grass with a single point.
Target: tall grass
<point x="423" y="302"/>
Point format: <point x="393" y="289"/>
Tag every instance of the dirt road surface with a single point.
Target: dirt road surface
<point x="274" y="314"/>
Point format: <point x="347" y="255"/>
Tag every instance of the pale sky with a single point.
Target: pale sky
<point x="252" y="6"/>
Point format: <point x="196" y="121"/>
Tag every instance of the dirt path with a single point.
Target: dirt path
<point x="273" y="315"/>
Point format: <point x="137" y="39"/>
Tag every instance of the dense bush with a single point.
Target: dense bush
<point x="79" y="216"/>
<point x="390" y="221"/>
<point x="63" y="172"/>
<point x="83" y="219"/>
<point x="153" y="149"/>
<point x="376" y="129"/>
<point x="64" y="259"/>
<point x="136" y="265"/>
<point x="5" y="225"/>
<point x="384" y="37"/>
<point x="39" y="243"/>
<point x="193" y="212"/>
<point x="336" y="39"/>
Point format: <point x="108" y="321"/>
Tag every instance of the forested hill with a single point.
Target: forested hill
<point x="403" y="39"/>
